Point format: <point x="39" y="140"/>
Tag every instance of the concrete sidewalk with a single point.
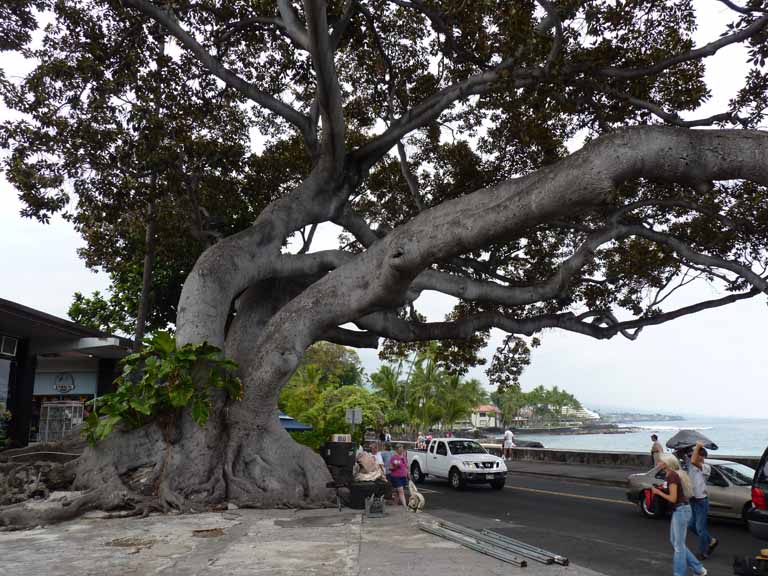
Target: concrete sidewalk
<point x="253" y="542"/>
<point x="604" y="475"/>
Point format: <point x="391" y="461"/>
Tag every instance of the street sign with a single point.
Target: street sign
<point x="355" y="415"/>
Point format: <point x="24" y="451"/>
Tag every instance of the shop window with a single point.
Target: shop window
<point x="8" y="345"/>
<point x="5" y="377"/>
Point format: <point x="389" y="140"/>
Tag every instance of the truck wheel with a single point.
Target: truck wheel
<point x="498" y="484"/>
<point x="416" y="473"/>
<point x="456" y="479"/>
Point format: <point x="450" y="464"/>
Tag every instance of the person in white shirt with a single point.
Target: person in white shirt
<point x="509" y="443"/>
<point x="379" y="459"/>
<point x="699" y="472"/>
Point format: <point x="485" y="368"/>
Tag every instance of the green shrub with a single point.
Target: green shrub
<point x="161" y="380"/>
<point x="5" y="419"/>
<point x="311" y="438"/>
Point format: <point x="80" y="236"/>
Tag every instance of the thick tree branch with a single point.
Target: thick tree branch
<point x="736" y="8"/>
<point x="167" y="18"/>
<point x="552" y="21"/>
<point x="263" y="22"/>
<point x="428" y="110"/>
<point x="307" y="240"/>
<point x="557" y="285"/>
<point x="341" y="25"/>
<point x="352" y="338"/>
<point x="356" y="225"/>
<point x="674" y="203"/>
<point x="328" y="89"/>
<point x="410" y="177"/>
<point x="674" y="119"/>
<point x="703" y="259"/>
<point x="388" y="325"/>
<point x="291" y="25"/>
<point x="697" y="54"/>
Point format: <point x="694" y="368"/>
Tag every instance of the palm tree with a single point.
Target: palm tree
<point x="302" y="391"/>
<point x="423" y="402"/>
<point x="458" y="398"/>
<point x="386" y="381"/>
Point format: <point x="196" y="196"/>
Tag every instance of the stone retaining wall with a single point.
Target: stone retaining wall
<point x="601" y="458"/>
<point x="596" y="457"/>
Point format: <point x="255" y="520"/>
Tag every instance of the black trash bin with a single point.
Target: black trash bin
<point x="340" y="459"/>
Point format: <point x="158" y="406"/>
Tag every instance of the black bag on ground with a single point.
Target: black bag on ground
<point x="749" y="566"/>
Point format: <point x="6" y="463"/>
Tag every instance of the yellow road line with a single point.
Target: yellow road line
<point x="569" y="495"/>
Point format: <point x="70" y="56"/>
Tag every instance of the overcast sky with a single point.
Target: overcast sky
<point x="713" y="363"/>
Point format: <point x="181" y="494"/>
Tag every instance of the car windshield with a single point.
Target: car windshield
<point x="738" y="474"/>
<point x="465" y="447"/>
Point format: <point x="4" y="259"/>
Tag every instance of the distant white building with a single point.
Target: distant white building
<point x="486" y="416"/>
<point x="581" y="414"/>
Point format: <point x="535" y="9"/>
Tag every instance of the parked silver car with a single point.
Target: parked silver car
<point x="729" y="488"/>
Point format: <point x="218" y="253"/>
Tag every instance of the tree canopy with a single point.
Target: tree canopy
<point x="435" y="135"/>
<point x="468" y="96"/>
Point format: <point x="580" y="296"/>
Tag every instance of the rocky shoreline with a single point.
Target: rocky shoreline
<point x="581" y="430"/>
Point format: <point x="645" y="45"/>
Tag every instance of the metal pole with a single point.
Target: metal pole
<point x="562" y="560"/>
<point x="544" y="558"/>
<point x="476" y="545"/>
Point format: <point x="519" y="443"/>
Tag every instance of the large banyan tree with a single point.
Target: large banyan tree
<point x="436" y="136"/>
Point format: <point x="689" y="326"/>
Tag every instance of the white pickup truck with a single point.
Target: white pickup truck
<point x="459" y="460"/>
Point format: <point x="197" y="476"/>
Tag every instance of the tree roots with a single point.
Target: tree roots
<point x="136" y="472"/>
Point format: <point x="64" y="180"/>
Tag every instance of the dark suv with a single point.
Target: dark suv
<point x="757" y="517"/>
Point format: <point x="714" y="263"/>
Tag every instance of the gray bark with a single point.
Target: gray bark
<point x="150" y="242"/>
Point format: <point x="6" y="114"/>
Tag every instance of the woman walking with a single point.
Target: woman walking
<point x="398" y="466"/>
<point x="679" y="490"/>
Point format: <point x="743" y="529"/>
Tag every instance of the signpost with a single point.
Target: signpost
<point x="354" y="417"/>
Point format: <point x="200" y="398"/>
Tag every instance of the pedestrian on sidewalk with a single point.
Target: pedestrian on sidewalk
<point x="699" y="472"/>
<point x="379" y="459"/>
<point x="656" y="449"/>
<point x="386" y="456"/>
<point x="398" y="466"/>
<point x="509" y="443"/>
<point x="679" y="490"/>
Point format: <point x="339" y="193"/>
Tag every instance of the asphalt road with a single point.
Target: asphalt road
<point x="594" y="526"/>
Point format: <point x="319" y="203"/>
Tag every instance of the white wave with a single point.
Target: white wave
<point x="664" y="428"/>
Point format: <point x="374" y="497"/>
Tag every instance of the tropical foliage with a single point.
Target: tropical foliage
<point x="539" y="405"/>
<point x="427" y="395"/>
<point x="5" y="419"/>
<point x="329" y="380"/>
<point x="159" y="381"/>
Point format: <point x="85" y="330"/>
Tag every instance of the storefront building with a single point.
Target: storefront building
<point x="44" y="361"/>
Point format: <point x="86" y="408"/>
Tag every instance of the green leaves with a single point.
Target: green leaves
<point x="161" y="380"/>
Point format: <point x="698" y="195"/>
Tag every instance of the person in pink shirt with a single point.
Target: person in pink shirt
<point x="398" y="471"/>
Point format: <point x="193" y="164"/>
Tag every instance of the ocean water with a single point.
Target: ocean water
<point x="733" y="436"/>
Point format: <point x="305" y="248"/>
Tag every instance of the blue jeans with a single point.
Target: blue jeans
<point x="683" y="557"/>
<point x="698" y="523"/>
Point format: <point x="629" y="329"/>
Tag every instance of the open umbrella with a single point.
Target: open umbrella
<point x="688" y="438"/>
